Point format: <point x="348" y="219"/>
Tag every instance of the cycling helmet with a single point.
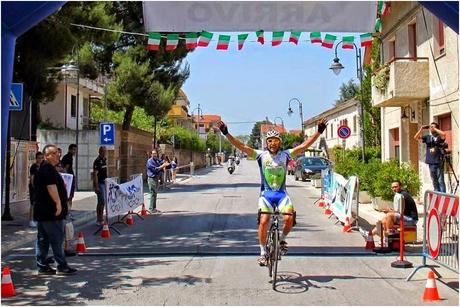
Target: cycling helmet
<point x="273" y="134"/>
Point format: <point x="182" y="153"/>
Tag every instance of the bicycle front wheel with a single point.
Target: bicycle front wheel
<point x="269" y="249"/>
<point x="274" y="257"/>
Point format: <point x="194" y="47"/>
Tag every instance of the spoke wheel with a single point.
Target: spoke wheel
<point x="274" y="257"/>
<point x="269" y="250"/>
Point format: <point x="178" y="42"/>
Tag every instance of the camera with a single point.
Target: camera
<point x="442" y="146"/>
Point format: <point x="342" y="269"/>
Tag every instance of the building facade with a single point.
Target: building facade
<point x="421" y="59"/>
<point x="179" y="111"/>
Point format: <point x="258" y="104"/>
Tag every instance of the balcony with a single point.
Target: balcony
<point x="408" y="81"/>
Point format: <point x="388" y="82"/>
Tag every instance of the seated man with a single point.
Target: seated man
<point x="393" y="216"/>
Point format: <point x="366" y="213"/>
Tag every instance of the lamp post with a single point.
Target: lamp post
<point x="75" y="68"/>
<point x="198" y="127"/>
<point x="300" y="111"/>
<point x="336" y="67"/>
<point x="282" y="122"/>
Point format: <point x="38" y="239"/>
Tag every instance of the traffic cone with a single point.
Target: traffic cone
<point x="321" y="202"/>
<point x="347" y="226"/>
<point x="81" y="247"/>
<point x="129" y="219"/>
<point x="431" y="291"/>
<point x="327" y="211"/>
<point x="105" y="231"/>
<point x="7" y="283"/>
<point x="370" y="241"/>
<point x="144" y="212"/>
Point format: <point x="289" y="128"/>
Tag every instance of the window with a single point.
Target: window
<point x="438" y="35"/>
<point x="85" y="107"/>
<point x="73" y="106"/>
<point x="354" y="123"/>
<point x="394" y="143"/>
<point x="332" y="130"/>
<point x="445" y="124"/>
<point x="391" y="50"/>
<point x="412" y="34"/>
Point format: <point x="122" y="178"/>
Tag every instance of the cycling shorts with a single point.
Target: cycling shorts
<point x="279" y="198"/>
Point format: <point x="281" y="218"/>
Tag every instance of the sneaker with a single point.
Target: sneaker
<point x="156" y="211"/>
<point x="46" y="271"/>
<point x="70" y="254"/>
<point x="66" y="271"/>
<point x="262" y="260"/>
<point x="98" y="223"/>
<point x="50" y="260"/>
<point x="33" y="224"/>
<point x="284" y="247"/>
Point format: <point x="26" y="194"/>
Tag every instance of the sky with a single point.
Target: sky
<point x="260" y="80"/>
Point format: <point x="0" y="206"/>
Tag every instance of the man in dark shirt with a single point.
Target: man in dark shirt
<point x="155" y="167"/>
<point x="99" y="176"/>
<point x="67" y="164"/>
<point x="393" y="216"/>
<point x="50" y="212"/>
<point x="435" y="142"/>
<point x="32" y="172"/>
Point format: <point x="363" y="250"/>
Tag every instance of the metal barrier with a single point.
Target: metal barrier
<point x="440" y="231"/>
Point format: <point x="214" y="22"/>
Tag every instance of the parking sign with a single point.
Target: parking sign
<point x="107" y="133"/>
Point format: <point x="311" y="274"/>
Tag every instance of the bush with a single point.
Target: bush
<point x="367" y="176"/>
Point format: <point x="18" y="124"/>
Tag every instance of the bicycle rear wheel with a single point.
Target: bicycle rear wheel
<point x="274" y="257"/>
<point x="269" y="250"/>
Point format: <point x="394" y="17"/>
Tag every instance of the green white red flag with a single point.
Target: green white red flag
<point x="294" y="38"/>
<point x="315" y="37"/>
<point x="347" y="42"/>
<point x="378" y="25"/>
<point x="366" y="39"/>
<point x="328" y="41"/>
<point x="172" y="41"/>
<point x="191" y="40"/>
<point x="241" y="39"/>
<point x="277" y="38"/>
<point x="154" y="41"/>
<point x="383" y="8"/>
<point x="223" y="42"/>
<point x="260" y="36"/>
<point x="205" y="38"/>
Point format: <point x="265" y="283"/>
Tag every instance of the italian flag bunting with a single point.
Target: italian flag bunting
<point x="171" y="43"/>
<point x="241" y="39"/>
<point x="383" y="8"/>
<point x="260" y="36"/>
<point x="366" y="39"/>
<point x="223" y="42"/>
<point x="378" y="25"/>
<point x="205" y="38"/>
<point x="294" y="38"/>
<point x="315" y="37"/>
<point x="190" y="40"/>
<point x="328" y="41"/>
<point x="347" y="42"/>
<point x="277" y="38"/>
<point x="154" y="41"/>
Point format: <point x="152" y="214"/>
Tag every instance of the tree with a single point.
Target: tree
<point x="348" y="91"/>
<point x="254" y="138"/>
<point x="291" y="140"/>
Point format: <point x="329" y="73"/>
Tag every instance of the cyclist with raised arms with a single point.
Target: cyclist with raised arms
<point x="273" y="169"/>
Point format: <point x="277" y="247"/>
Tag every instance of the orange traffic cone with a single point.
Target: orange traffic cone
<point x="129" y="219"/>
<point x="347" y="226"/>
<point x="327" y="211"/>
<point x="81" y="247"/>
<point x="431" y="291"/>
<point x="321" y="202"/>
<point x="7" y="283"/>
<point x="105" y="231"/>
<point x="144" y="212"/>
<point x="370" y="241"/>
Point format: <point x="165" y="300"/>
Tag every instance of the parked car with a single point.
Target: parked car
<point x="291" y="167"/>
<point x="310" y="167"/>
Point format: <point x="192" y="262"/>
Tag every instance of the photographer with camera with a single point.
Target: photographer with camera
<point x="435" y="151"/>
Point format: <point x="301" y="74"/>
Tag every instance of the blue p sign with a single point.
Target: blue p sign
<point x="107" y="133"/>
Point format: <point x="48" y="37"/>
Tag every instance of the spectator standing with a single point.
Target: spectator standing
<point x="174" y="169"/>
<point x="99" y="176"/>
<point x="435" y="150"/>
<point x="67" y="164"/>
<point x="59" y="166"/>
<point x="154" y="168"/>
<point x="168" y="169"/>
<point x="49" y="212"/>
<point x="32" y="173"/>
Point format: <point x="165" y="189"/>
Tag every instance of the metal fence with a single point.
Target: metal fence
<point x="440" y="231"/>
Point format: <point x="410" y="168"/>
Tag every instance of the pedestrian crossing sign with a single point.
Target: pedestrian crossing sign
<point x="16" y="97"/>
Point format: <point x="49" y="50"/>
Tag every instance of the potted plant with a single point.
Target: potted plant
<point x="381" y="78"/>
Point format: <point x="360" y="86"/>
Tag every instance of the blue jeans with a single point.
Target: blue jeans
<point x="437" y="177"/>
<point x="101" y="201"/>
<point x="50" y="233"/>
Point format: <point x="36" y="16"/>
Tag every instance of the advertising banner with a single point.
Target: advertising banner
<point x="344" y="193"/>
<point x="124" y="197"/>
<point x="68" y="178"/>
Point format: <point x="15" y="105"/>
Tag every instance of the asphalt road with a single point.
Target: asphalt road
<point x="203" y="249"/>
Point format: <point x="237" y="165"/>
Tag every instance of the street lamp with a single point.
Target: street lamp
<point x="300" y="112"/>
<point x="336" y="67"/>
<point x="282" y="122"/>
<point x="198" y="127"/>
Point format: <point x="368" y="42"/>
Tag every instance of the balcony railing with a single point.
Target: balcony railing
<point x="407" y="81"/>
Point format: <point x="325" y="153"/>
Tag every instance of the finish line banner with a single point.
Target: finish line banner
<point x="124" y="197"/>
<point x="231" y="16"/>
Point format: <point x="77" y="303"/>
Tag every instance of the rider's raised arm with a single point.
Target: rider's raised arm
<point x="251" y="152"/>
<point x="308" y="142"/>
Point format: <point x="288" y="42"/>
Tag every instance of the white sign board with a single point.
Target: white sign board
<point x="68" y="178"/>
<point x="124" y="197"/>
<point x="232" y="16"/>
